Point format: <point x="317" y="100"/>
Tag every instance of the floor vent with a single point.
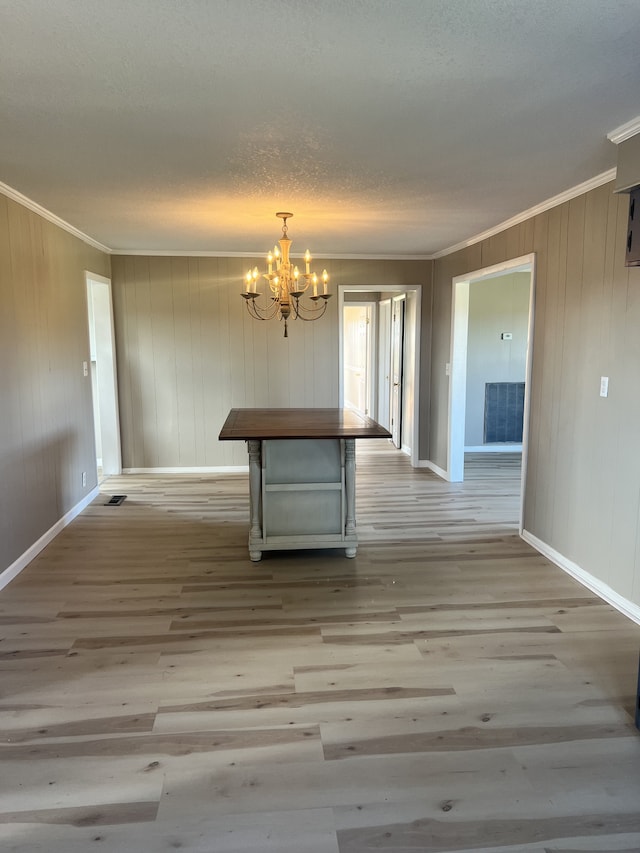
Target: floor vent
<point x="115" y="500"/>
<point x="503" y="411"/>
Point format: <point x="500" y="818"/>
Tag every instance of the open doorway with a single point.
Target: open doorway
<point x="381" y="373"/>
<point x="359" y="323"/>
<point x="104" y="382"/>
<point x="458" y="366"/>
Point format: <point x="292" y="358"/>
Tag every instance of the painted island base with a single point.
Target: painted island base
<point x="302" y="495"/>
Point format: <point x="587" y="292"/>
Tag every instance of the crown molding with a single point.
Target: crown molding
<point x="168" y="253"/>
<point x="625" y="131"/>
<point x="561" y="198"/>
<point x="51" y="217"/>
<point x="182" y="253"/>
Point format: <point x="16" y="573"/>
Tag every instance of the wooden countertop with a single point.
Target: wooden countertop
<point x="254" y="424"/>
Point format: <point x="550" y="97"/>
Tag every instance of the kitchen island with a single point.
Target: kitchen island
<point x="302" y="471"/>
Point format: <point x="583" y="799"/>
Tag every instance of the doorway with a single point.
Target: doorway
<point x="104" y="383"/>
<point x="381" y="367"/>
<point x="457" y="366"/>
<point x="359" y="343"/>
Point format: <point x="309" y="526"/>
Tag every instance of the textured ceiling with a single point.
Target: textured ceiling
<point x="389" y="127"/>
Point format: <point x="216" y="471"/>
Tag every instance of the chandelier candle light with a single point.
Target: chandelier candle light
<point x="287" y="285"/>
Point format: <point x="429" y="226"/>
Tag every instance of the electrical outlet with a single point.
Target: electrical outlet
<point x="84" y="479"/>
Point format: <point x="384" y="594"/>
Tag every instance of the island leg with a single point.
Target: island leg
<point x="255" y="494"/>
<point x="350" y="493"/>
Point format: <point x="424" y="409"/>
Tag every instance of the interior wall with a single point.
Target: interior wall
<point x="188" y="351"/>
<point x="362" y="296"/>
<point x="497" y="305"/>
<point x="582" y="497"/>
<point x="46" y="422"/>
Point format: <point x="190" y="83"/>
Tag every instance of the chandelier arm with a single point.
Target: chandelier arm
<point x="299" y="311"/>
<point x="259" y="312"/>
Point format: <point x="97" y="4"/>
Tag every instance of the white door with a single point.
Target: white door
<point x="104" y="377"/>
<point x="384" y="366"/>
<point x="397" y="348"/>
<point x="357" y="322"/>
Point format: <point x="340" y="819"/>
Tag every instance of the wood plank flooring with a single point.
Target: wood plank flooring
<point x="446" y="690"/>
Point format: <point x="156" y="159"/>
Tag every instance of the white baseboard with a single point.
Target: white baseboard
<point x="221" y="469"/>
<point x="494" y="448"/>
<point x="601" y="589"/>
<point x="15" y="568"/>
<point x="425" y="463"/>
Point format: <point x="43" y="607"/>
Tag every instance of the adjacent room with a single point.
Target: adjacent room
<point x="320" y="506"/>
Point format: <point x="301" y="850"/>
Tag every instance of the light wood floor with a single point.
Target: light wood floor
<point x="446" y="690"/>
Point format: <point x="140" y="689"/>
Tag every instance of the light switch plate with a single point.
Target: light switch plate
<point x="604" y="386"/>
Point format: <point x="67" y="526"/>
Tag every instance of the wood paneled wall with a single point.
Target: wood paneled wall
<point x="583" y="477"/>
<point x="46" y="421"/>
<point x="188" y="352"/>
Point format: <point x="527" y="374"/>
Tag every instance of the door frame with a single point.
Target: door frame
<point x="103" y="332"/>
<point x="398" y="319"/>
<point x="457" y="366"/>
<point x="385" y="316"/>
<point x="412" y="374"/>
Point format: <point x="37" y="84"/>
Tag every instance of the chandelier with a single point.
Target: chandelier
<point x="287" y="285"/>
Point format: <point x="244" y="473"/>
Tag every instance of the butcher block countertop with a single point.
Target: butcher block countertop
<point x="258" y="424"/>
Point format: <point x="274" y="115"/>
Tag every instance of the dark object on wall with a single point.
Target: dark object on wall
<point x="633" y="230"/>
<point x="628" y="181"/>
<point x="503" y="412"/>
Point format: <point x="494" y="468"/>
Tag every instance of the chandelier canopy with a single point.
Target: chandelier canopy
<point x="287" y="285"/>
